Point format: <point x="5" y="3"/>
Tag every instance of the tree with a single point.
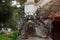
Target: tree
<point x="9" y="15"/>
<point x="5" y="12"/>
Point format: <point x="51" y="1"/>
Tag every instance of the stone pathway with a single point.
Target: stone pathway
<point x="35" y="38"/>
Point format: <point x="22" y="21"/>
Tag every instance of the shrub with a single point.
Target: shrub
<point x="12" y="36"/>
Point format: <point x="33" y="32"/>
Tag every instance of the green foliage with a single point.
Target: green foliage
<point x="22" y="1"/>
<point x="5" y="12"/>
<point x="10" y="15"/>
<point x="12" y="36"/>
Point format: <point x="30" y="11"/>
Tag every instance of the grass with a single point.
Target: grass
<point x="12" y="36"/>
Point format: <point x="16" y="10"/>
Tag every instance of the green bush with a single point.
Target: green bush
<point x="12" y="36"/>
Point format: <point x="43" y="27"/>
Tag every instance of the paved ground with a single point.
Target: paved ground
<point x="35" y="38"/>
